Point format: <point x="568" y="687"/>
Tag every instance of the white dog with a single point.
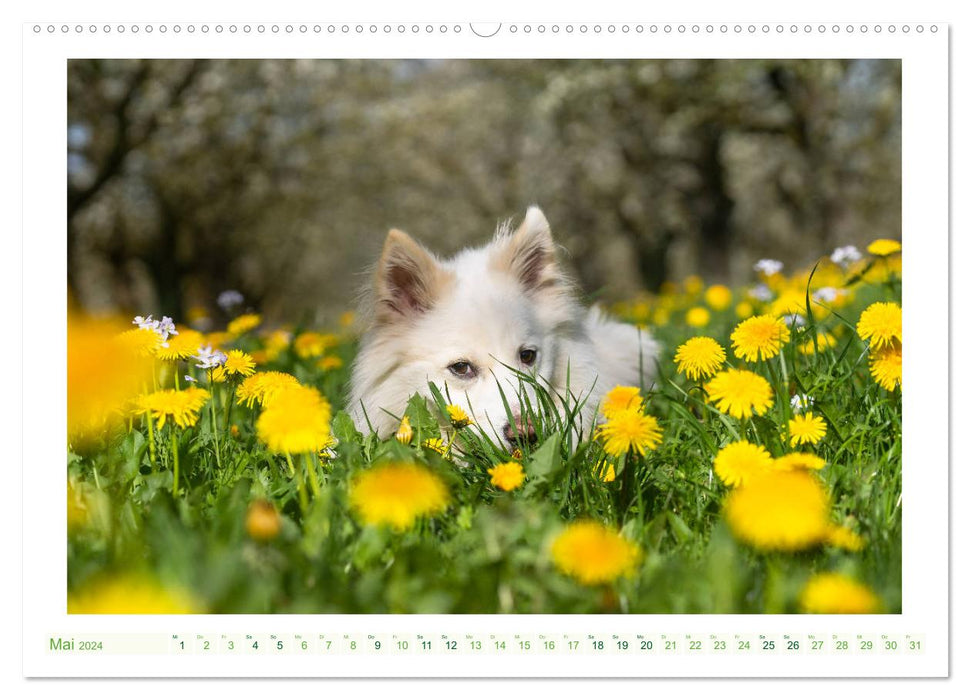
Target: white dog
<point x="470" y="323"/>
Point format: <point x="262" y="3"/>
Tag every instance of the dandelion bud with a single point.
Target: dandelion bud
<point x="262" y="521"/>
<point x="405" y="432"/>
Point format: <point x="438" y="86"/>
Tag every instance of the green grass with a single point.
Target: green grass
<point x="490" y="550"/>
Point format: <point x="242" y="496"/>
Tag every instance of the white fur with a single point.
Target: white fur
<point x="483" y="306"/>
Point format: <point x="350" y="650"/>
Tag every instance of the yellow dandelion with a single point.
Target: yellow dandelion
<point x="699" y="357"/>
<point x="219" y="339"/>
<point x="629" y="430"/>
<point x="718" y="297"/>
<point x="789" y="302"/>
<point x="244" y="323"/>
<point x="881" y="323"/>
<point x="404" y="433"/>
<point x="759" y="337"/>
<point x="437" y="445"/>
<point x="593" y="554"/>
<point x="799" y="460"/>
<point x="346" y="319"/>
<point x="181" y="346"/>
<point x="806" y="429"/>
<point x="181" y="406"/>
<point x="218" y="374"/>
<point x="397" y="494"/>
<point x="238" y="362"/>
<point x="142" y="342"/>
<point x="130" y="595"/>
<point x="295" y="420"/>
<point x="661" y="317"/>
<point x="263" y="386"/>
<point x="835" y="594"/>
<point x="105" y="370"/>
<point x="330" y="362"/>
<point x="697" y="317"/>
<point x="781" y="511"/>
<point x="824" y="341"/>
<point x="739" y="462"/>
<point x="312" y="344"/>
<point x="886" y="366"/>
<point x="883" y="247"/>
<point x="693" y="284"/>
<point x="262" y="520"/>
<point x="744" y="309"/>
<point x="740" y="393"/>
<point x="458" y="417"/>
<point x="622" y="398"/>
<point x="275" y="342"/>
<point x="507" y="476"/>
<point x="844" y="538"/>
<point x="605" y="471"/>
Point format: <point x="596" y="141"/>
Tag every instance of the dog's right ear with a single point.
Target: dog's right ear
<point x="409" y="278"/>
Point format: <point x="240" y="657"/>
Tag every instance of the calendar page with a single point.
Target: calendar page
<point x="423" y="348"/>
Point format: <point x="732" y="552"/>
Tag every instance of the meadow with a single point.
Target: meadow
<point x="215" y="471"/>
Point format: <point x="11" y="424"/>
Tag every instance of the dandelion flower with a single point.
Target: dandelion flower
<point x="697" y="317"/>
<point x="182" y="346"/>
<point x="437" y="445"/>
<point x="883" y="247"/>
<point x="507" y="476"/>
<point x="244" y="323"/>
<point x="312" y="344"/>
<point x="295" y="420"/>
<point x="881" y="324"/>
<point x="262" y="520"/>
<point x="799" y="460"/>
<point x="824" y="341"/>
<point x="329" y="448"/>
<point x="404" y="433"/>
<point x="238" y="362"/>
<point x="263" y="386"/>
<point x="605" y="471"/>
<point x="275" y="342"/>
<point x="181" y="406"/>
<point x="759" y="337"/>
<point x="835" y="594"/>
<point x="346" y="319"/>
<point x="397" y="494"/>
<point x="718" y="297"/>
<point x="806" y="429"/>
<point x="593" y="554"/>
<point x="458" y="417"/>
<point x="699" y="357"/>
<point x="628" y="430"/>
<point x="740" y="393"/>
<point x="142" y="342"/>
<point x="693" y="284"/>
<point x="739" y="462"/>
<point x="886" y="366"/>
<point x="130" y="595"/>
<point x="789" y="303"/>
<point x="330" y="362"/>
<point x="844" y="538"/>
<point x="622" y="398"/>
<point x="779" y="511"/>
<point x="744" y="309"/>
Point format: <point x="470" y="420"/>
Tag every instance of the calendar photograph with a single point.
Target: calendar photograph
<point x="468" y="336"/>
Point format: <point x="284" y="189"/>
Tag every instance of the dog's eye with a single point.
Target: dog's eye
<point x="527" y="356"/>
<point x="462" y="369"/>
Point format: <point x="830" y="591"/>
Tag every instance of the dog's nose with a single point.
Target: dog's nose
<point x="523" y="430"/>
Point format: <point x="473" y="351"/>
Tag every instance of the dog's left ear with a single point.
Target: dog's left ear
<point x="530" y="253"/>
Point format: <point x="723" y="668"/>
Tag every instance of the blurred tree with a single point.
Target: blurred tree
<point x="281" y="178"/>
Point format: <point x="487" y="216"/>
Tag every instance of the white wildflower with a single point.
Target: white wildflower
<point x="800" y="402"/>
<point x="190" y="378"/>
<point x="794" y="320"/>
<point x="768" y="267"/>
<point x="761" y="292"/>
<point x="209" y="358"/>
<point x="826" y="294"/>
<point x="846" y="255"/>
<point x="229" y="299"/>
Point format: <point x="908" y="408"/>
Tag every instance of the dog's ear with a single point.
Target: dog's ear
<point x="408" y="279"/>
<point x="530" y="253"/>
